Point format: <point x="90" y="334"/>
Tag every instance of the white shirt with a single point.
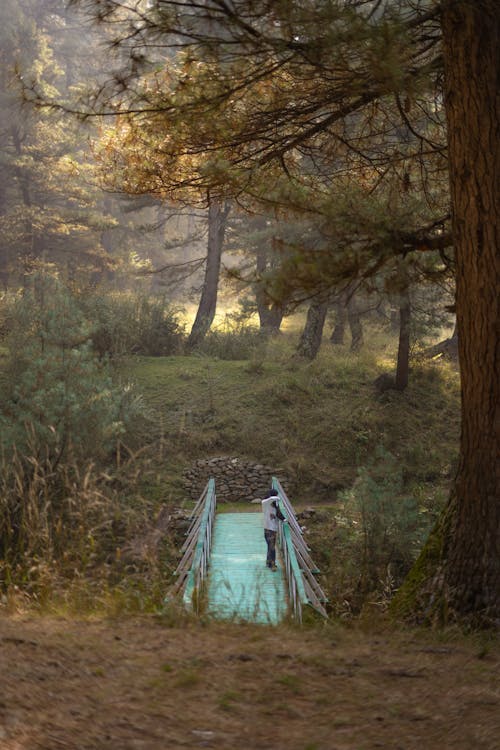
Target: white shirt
<point x="270" y="518"/>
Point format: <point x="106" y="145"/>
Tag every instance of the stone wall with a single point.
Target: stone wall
<point x="236" y="480"/>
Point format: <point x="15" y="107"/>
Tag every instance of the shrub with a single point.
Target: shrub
<point x="390" y="526"/>
<point x="64" y="532"/>
<point x="62" y="418"/>
<point x="125" y="324"/>
<point x="232" y="340"/>
<point x="50" y="517"/>
<point x="59" y="399"/>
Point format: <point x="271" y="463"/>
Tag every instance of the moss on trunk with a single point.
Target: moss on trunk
<point x="421" y="599"/>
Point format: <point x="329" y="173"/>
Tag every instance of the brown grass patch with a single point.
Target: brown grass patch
<point x="136" y="684"/>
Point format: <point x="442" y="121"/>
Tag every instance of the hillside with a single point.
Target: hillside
<point x="317" y="421"/>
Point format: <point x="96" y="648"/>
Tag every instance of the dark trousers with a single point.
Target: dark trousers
<point x="270" y="537"/>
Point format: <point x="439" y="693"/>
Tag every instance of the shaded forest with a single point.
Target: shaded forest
<point x="260" y="231"/>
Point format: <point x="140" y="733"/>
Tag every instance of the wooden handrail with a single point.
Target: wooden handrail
<point x="299" y="567"/>
<point x="192" y="568"/>
<point x="293" y="573"/>
<point x="198" y="570"/>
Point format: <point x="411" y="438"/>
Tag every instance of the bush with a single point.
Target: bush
<point x="64" y="532"/>
<point x="125" y="324"/>
<point x="233" y="340"/>
<point x="390" y="527"/>
<point x="62" y="419"/>
<point x="50" y="517"/>
<point x="59" y="399"/>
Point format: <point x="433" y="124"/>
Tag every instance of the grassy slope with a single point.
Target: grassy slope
<point x="316" y="421"/>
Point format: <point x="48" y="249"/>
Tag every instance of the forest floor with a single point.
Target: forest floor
<point x="143" y="684"/>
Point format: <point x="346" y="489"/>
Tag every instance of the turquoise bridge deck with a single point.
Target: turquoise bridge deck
<point x="240" y="586"/>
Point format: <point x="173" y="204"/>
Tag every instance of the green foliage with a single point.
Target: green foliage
<point x="430" y="311"/>
<point x="317" y="421"/>
<point x="62" y="416"/>
<point x="232" y="340"/>
<point x="59" y="399"/>
<point x="134" y="324"/>
<point x="389" y="524"/>
<point x="50" y="207"/>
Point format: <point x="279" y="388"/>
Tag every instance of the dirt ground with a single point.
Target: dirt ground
<point x="136" y="684"/>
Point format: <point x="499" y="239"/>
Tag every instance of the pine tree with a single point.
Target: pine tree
<point x="354" y="92"/>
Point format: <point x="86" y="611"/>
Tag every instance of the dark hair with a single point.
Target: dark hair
<point x="273" y="492"/>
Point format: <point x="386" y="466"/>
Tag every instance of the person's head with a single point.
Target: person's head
<point x="273" y="492"/>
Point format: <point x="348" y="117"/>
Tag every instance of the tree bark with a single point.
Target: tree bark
<point x="310" y="340"/>
<point x="338" y="333"/>
<point x="271" y="319"/>
<point x="217" y="222"/>
<point x="403" y="364"/>
<point x="270" y="312"/>
<point x="354" y="318"/>
<point x="458" y="573"/>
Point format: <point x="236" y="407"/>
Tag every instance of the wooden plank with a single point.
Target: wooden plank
<point x="240" y="586"/>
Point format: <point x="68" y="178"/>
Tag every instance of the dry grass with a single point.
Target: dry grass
<point x="139" y="685"/>
<point x="318" y="421"/>
<point x="80" y="539"/>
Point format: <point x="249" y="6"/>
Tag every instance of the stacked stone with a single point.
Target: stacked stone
<point x="236" y="480"/>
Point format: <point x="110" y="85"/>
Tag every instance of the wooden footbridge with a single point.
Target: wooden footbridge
<point x="223" y="568"/>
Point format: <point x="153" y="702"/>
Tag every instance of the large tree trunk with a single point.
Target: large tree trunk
<point x="4" y="255"/>
<point x="217" y="221"/>
<point x="458" y="573"/>
<point x="310" y="340"/>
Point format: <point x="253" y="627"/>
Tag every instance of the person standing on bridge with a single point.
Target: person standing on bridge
<point x="272" y="514"/>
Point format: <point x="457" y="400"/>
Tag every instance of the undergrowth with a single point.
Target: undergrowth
<point x="83" y="530"/>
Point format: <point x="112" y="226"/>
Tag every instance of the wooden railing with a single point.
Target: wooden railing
<point x="303" y="588"/>
<point x="192" y="569"/>
<point x="296" y="590"/>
